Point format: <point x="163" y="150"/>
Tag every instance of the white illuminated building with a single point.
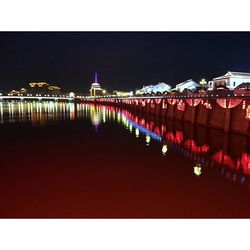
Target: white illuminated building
<point x="189" y="84"/>
<point x="161" y="87"/>
<point x="148" y="89"/>
<point x="145" y="90"/>
<point x="230" y="80"/>
<point x="123" y="93"/>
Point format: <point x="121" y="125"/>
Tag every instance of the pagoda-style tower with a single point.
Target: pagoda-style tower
<point x="95" y="89"/>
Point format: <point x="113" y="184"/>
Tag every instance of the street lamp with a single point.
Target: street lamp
<point x="202" y="83"/>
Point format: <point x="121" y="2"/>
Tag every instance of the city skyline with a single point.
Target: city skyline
<point x="123" y="60"/>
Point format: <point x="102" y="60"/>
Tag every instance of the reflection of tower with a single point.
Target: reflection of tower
<point x="95" y="89"/>
<point x="95" y="117"/>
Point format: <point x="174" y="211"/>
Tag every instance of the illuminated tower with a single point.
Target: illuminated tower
<point x="95" y="89"/>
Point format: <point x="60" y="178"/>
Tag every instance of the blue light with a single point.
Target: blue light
<point x="146" y="131"/>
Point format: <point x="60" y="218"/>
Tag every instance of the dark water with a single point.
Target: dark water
<point x="82" y="161"/>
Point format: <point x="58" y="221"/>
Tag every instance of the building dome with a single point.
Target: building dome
<point x="95" y="89"/>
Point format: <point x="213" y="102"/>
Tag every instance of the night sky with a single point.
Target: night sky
<point x="123" y="60"/>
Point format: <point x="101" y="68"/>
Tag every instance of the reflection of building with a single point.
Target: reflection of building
<point x="189" y="84"/>
<point x="96" y="89"/>
<point x="230" y="80"/>
<point x="95" y="116"/>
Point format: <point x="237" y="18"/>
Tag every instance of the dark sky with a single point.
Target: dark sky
<point x="123" y="60"/>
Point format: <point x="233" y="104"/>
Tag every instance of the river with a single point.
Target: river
<point x="66" y="160"/>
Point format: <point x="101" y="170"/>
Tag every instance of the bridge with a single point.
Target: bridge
<point x="36" y="97"/>
<point x="223" y="109"/>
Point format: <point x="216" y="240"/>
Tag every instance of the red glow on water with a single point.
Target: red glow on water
<point x="163" y="129"/>
<point x="177" y="138"/>
<point x="244" y="163"/>
<point x="223" y="159"/>
<point x="157" y="130"/>
<point x="191" y="145"/>
<point x="142" y="122"/>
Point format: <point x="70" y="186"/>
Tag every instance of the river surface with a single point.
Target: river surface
<point x="65" y="160"/>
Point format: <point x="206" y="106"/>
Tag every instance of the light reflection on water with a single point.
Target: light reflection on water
<point x="235" y="166"/>
<point x="205" y="153"/>
<point x="35" y="112"/>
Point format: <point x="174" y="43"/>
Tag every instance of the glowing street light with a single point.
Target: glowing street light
<point x="202" y="83"/>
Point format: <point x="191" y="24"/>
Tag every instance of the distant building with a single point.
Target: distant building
<point x="54" y="89"/>
<point x="189" y="84"/>
<point x="42" y="88"/>
<point x="160" y="87"/>
<point x="230" y="80"/>
<point x="122" y="93"/>
<point x="14" y="92"/>
<point x="96" y="89"/>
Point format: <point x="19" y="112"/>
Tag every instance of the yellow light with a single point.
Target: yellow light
<point x="197" y="169"/>
<point x="164" y="149"/>
<point x="203" y="81"/>
<point x="147" y="140"/>
<point x="130" y="128"/>
<point x="127" y="123"/>
<point x="137" y="132"/>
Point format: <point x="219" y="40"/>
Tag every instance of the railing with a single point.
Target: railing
<point x="238" y="93"/>
<point x="35" y="97"/>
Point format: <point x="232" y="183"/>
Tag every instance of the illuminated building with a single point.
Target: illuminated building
<point x="54" y="89"/>
<point x="96" y="89"/>
<point x="43" y="88"/>
<point x="23" y="90"/>
<point x="189" y="84"/>
<point x="159" y="88"/>
<point x="230" y="80"/>
<point x="38" y="88"/>
<point x="14" y="92"/>
<point x="122" y="93"/>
